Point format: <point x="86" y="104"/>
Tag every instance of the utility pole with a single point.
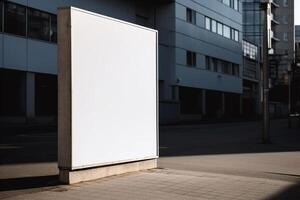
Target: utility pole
<point x="290" y="70"/>
<point x="265" y="76"/>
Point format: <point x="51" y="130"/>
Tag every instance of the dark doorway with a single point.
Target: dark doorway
<point x="190" y="101"/>
<point x="46" y="95"/>
<point x="12" y="93"/>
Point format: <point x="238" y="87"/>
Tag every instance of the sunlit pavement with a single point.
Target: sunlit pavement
<point x="215" y="161"/>
<point x="234" y="148"/>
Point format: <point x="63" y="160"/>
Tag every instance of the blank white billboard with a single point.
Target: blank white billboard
<point x="113" y="91"/>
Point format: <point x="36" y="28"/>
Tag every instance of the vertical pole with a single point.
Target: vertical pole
<point x="290" y="94"/>
<point x="266" y="117"/>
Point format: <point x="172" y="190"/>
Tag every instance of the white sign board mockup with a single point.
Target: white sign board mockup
<point x="107" y="96"/>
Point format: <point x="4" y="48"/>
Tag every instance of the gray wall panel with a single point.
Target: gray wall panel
<point x="198" y="78"/>
<point x="42" y="57"/>
<point x="15" y="51"/>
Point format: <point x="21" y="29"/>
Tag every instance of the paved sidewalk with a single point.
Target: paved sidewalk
<point x="166" y="184"/>
<point x="215" y="161"/>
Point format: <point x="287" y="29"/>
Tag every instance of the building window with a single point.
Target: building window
<point x="236" y="4"/>
<point x="221" y="66"/>
<point x="190" y="16"/>
<point x="284" y="19"/>
<point x="15" y="19"/>
<point x="236" y="69"/>
<point x="191" y="58"/>
<point x="215" y="64"/>
<point x="226" y="31"/>
<point x="226" y="2"/>
<point x="220" y="29"/>
<point x="214" y="26"/>
<point x="38" y="24"/>
<point x="285" y="3"/>
<point x="225" y="67"/>
<point x="53" y="31"/>
<point x="285" y="37"/>
<point x="250" y="50"/>
<point x="232" y="3"/>
<point x="207" y="62"/>
<point x="23" y="21"/>
<point x="236" y="35"/>
<point x="207" y="23"/>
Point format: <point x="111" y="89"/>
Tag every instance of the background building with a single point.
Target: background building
<point x="203" y="76"/>
<point x="200" y="50"/>
<point x="253" y="19"/>
<point x="296" y="74"/>
<point x="284" y="54"/>
<point x="285" y="31"/>
<point x="251" y="79"/>
<point x="280" y="39"/>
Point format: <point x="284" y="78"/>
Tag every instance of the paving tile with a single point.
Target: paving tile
<point x="165" y="185"/>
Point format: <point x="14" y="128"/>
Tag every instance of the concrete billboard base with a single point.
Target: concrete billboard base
<point x="77" y="176"/>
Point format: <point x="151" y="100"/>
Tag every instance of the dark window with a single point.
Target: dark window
<point x="225" y="66"/>
<point x="207" y="62"/>
<point x="53" y="32"/>
<point x="15" y="19"/>
<point x="1" y="14"/>
<point x="38" y="25"/>
<point x="190" y="16"/>
<point x="215" y="64"/>
<point x="236" y="70"/>
<point x="12" y="95"/>
<point x="45" y="95"/>
<point x="191" y="58"/>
